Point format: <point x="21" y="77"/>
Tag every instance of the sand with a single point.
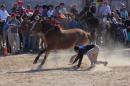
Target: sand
<point x="18" y="70"/>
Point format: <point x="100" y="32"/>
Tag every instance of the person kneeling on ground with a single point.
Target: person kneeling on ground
<point x="91" y="51"/>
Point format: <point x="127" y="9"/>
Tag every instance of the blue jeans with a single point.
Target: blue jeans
<point x="26" y="42"/>
<point x="34" y="43"/>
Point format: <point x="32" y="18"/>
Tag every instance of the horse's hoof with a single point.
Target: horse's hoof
<point x="105" y="64"/>
<point x="39" y="67"/>
<point x="76" y="67"/>
<point x="35" y="62"/>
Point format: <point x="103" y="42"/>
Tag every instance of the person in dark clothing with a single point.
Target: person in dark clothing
<point x="14" y="8"/>
<point x="90" y="50"/>
<point x="35" y="13"/>
<point x="74" y="10"/>
<point x="127" y="23"/>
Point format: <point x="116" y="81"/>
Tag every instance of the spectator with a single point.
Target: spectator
<point x="21" y="10"/>
<point x="13" y="35"/>
<point x="3" y="17"/>
<point x="50" y="11"/>
<point x="127" y="23"/>
<point x="29" y="10"/>
<point x="118" y="12"/>
<point x="63" y="10"/>
<point x="25" y="29"/>
<point x="14" y="8"/>
<point x="45" y="10"/>
<point x="93" y="8"/>
<point x="123" y="13"/>
<point x="105" y="9"/>
<point x="74" y="10"/>
<point x="34" y="40"/>
<point x="56" y="12"/>
<point x="5" y="33"/>
<point x="3" y="14"/>
<point x="36" y="12"/>
<point x="73" y="23"/>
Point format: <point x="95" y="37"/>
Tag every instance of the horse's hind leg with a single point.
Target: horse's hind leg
<point x="43" y="61"/>
<point x="40" y="53"/>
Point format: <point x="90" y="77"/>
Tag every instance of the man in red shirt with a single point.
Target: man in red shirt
<point x="29" y="11"/>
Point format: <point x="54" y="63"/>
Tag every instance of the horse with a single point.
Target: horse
<point x="24" y="30"/>
<point x="55" y="38"/>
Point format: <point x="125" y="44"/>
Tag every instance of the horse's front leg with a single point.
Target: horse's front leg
<point x="43" y="49"/>
<point x="39" y="54"/>
<point x="43" y="61"/>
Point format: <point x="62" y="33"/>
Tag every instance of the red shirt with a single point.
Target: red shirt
<point x="36" y="12"/>
<point x="28" y="11"/>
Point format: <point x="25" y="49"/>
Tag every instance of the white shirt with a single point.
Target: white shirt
<point x="63" y="10"/>
<point x="3" y="15"/>
<point x="105" y="10"/>
<point x="50" y="13"/>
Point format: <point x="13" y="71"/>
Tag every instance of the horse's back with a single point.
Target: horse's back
<point x="82" y="36"/>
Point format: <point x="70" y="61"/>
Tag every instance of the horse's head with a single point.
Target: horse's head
<point x="41" y="26"/>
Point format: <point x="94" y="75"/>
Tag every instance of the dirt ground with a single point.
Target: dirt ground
<point x="18" y="70"/>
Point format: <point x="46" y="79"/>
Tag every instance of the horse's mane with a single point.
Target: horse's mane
<point x="54" y="24"/>
<point x="50" y="27"/>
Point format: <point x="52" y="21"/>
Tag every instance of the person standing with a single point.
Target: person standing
<point x="13" y="35"/>
<point x="3" y="17"/>
<point x="74" y="10"/>
<point x="50" y="12"/>
<point x="123" y="13"/>
<point x="104" y="10"/>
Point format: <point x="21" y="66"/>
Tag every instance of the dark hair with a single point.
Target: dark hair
<point x="28" y="6"/>
<point x="51" y="6"/>
<point x="3" y="6"/>
<point x="57" y="7"/>
<point x="37" y="6"/>
<point x="76" y="48"/>
<point x="62" y="3"/>
<point x="129" y="13"/>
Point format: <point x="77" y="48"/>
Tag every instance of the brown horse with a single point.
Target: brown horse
<point x="55" y="37"/>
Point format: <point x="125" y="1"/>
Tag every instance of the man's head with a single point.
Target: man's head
<point x="3" y="7"/>
<point x="20" y="3"/>
<point x="28" y="6"/>
<point x="13" y="16"/>
<point x="105" y="2"/>
<point x="61" y="5"/>
<point x="76" y="48"/>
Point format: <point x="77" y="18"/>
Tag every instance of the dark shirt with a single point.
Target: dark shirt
<point x="127" y="22"/>
<point x="85" y="49"/>
<point x="93" y="9"/>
